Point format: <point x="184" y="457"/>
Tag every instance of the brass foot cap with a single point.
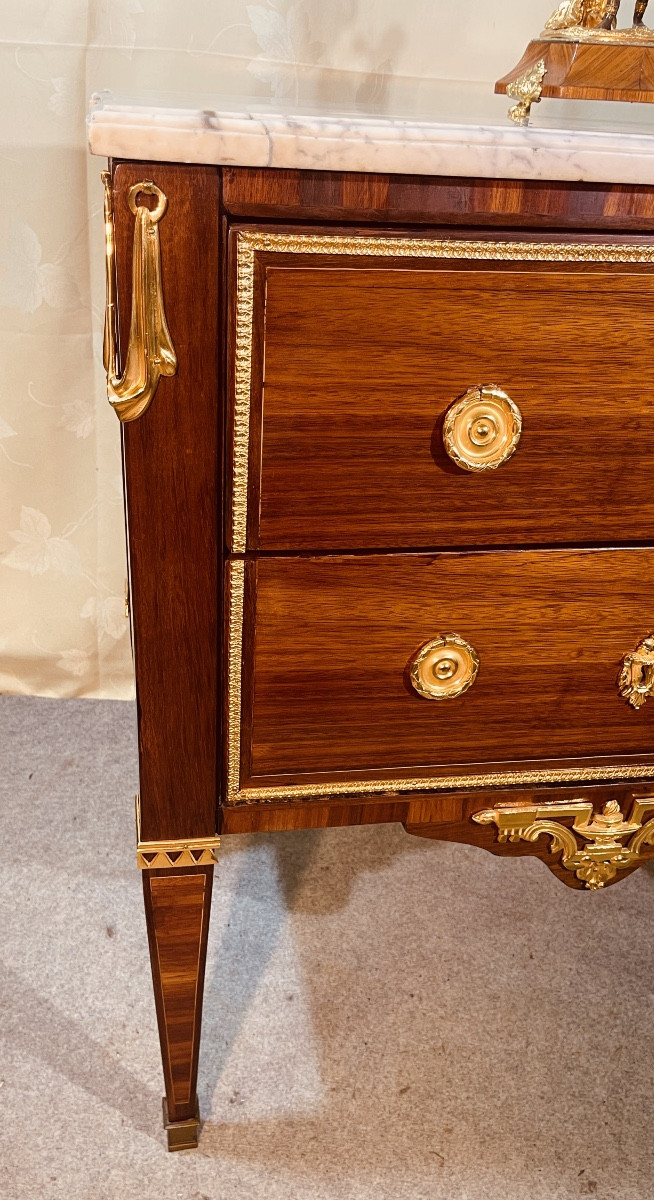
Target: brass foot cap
<point x="182" y="1135"/>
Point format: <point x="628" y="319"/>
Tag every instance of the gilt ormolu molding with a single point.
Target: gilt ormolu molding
<point x="592" y="847"/>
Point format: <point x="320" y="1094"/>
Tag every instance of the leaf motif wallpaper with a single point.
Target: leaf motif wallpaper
<point x="63" y="630"/>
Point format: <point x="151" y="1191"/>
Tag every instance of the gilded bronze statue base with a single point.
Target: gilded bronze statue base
<point x="638" y="35"/>
<point x="602" y="66"/>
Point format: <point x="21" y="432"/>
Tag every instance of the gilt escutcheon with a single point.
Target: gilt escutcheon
<point x="636" y="679"/>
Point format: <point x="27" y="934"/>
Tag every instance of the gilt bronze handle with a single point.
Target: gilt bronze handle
<point x="150" y="351"/>
<point x="444" y="668"/>
<point x="482" y="429"/>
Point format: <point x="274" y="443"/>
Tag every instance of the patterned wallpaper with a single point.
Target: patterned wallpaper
<point x="62" y="560"/>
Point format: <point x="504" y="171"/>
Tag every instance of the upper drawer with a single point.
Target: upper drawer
<point x="349" y="352"/>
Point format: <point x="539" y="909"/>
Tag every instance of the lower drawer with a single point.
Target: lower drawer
<point x="388" y="672"/>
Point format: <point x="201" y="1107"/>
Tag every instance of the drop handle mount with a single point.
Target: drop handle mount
<point x="150" y="351"/>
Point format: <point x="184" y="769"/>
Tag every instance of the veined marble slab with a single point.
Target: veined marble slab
<point x="416" y="145"/>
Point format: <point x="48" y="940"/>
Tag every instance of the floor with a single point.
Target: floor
<point x="386" y="1018"/>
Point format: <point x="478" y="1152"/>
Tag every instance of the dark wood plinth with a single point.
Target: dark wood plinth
<point x="589" y="71"/>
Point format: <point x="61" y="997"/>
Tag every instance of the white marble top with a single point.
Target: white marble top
<point x="425" y="129"/>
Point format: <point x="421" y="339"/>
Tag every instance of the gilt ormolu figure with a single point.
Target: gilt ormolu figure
<point x="593" y="14"/>
<point x="612" y="9"/>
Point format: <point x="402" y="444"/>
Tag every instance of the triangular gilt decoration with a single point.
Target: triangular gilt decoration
<point x="187" y="852"/>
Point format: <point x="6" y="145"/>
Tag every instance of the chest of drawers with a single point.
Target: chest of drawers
<point x="389" y="522"/>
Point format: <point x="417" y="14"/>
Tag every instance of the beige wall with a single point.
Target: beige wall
<point x="62" y="629"/>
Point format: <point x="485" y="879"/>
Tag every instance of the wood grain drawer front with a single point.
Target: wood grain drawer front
<point x="328" y="642"/>
<point x="364" y="356"/>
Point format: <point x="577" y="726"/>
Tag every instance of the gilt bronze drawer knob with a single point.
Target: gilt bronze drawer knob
<point x="482" y="429"/>
<point x="444" y="668"/>
<point x="636" y="680"/>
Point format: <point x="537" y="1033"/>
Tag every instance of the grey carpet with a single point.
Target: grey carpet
<point x="385" y="1019"/>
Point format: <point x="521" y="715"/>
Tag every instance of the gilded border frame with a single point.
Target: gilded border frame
<point x="248" y="244"/>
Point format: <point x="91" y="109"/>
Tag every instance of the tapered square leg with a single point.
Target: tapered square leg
<point x="177" y="906"/>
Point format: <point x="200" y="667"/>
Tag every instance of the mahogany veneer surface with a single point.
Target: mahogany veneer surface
<point x="173" y="477"/>
<point x="445" y="201"/>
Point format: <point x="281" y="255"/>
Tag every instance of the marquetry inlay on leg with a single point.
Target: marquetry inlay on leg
<point x="177" y="908"/>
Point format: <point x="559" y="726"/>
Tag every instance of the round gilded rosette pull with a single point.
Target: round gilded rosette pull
<point x="482" y="429"/>
<point x="444" y="668"/>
